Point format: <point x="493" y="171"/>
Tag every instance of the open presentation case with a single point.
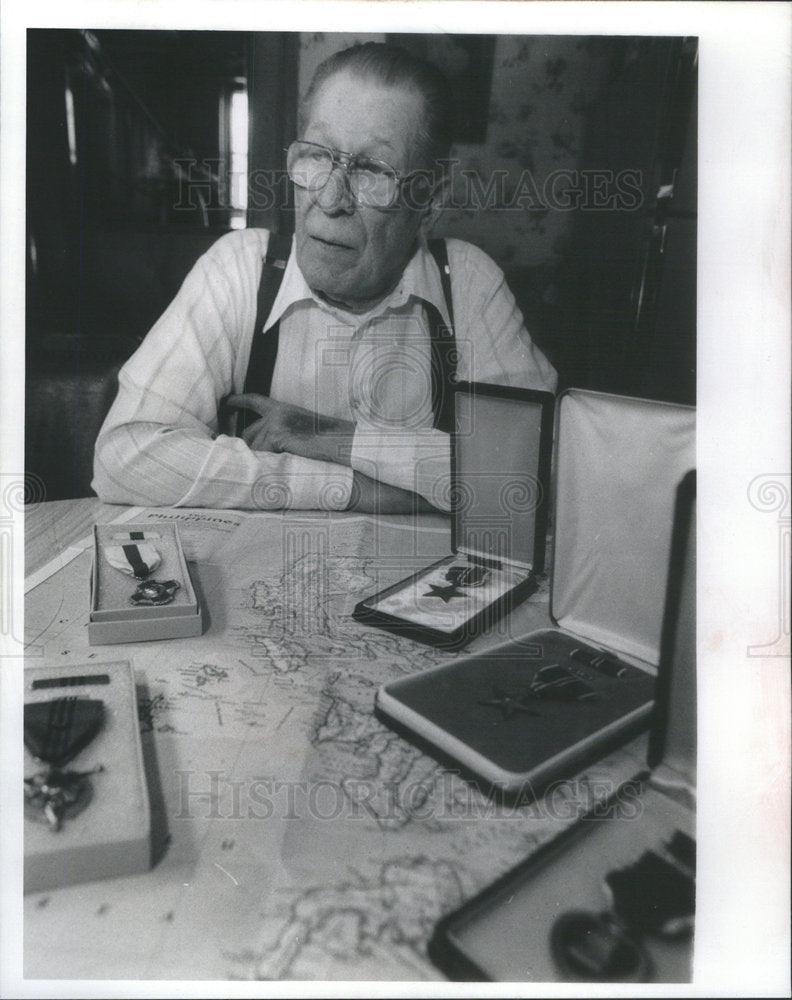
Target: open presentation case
<point x="539" y="707"/>
<point x="500" y="478"/>
<point x="612" y="899"/>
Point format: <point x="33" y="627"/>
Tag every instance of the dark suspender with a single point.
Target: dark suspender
<point x="264" y="349"/>
<point x="443" y="345"/>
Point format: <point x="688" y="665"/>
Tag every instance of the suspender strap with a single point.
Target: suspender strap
<point x="264" y="349"/>
<point x="443" y="345"/>
<point x="439" y="250"/>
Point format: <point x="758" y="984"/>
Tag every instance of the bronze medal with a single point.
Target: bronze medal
<point x="152" y="593"/>
<point x="55" y="732"/>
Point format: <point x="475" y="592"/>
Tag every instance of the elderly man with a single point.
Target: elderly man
<point x="347" y="412"/>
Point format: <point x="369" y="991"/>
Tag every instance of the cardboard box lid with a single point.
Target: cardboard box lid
<point x="672" y="744"/>
<point x="500" y="473"/>
<point x="618" y="463"/>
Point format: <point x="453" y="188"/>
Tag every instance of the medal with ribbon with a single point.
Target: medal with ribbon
<point x="139" y="558"/>
<point x="55" y="732"/>
<point x="653" y="898"/>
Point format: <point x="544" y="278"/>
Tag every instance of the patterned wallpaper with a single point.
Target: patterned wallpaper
<point x="541" y="90"/>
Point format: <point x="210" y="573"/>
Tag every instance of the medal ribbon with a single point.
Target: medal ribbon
<point x="56" y="731"/>
<point x="137" y="559"/>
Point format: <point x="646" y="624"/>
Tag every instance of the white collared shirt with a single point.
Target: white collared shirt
<point x="161" y="442"/>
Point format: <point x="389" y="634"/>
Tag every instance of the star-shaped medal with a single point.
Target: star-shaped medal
<point x="508" y="704"/>
<point x="444" y="593"/>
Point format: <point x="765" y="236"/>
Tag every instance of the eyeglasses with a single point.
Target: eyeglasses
<point x="371" y="182"/>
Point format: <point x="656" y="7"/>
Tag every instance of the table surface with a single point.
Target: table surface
<point x="294" y="836"/>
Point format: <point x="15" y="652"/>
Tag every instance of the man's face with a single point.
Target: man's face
<point x="353" y="253"/>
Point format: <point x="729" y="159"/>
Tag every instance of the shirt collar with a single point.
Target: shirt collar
<point x="420" y="280"/>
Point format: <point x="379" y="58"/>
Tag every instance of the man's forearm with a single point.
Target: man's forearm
<point x="370" y="496"/>
<point x="326" y="439"/>
<point x="137" y="463"/>
<point x="284" y="427"/>
<point x="329" y="439"/>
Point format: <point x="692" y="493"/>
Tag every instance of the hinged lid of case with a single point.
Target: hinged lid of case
<point x="500" y="473"/>
<point x="618" y="463"/>
<point x="672" y="746"/>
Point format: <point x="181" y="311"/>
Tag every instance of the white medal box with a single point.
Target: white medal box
<point x="113" y="617"/>
<point x="112" y="834"/>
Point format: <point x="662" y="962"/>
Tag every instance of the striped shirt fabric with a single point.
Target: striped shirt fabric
<point x="162" y="444"/>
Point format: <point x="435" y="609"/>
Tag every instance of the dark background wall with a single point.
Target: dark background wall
<point x="108" y="229"/>
<point x="127" y="186"/>
<point x="616" y="115"/>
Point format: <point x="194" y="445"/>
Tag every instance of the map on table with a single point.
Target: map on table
<point x="296" y="836"/>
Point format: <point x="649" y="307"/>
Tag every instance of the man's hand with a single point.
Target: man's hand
<point x="285" y="427"/>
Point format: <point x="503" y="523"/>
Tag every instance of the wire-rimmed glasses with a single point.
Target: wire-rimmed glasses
<point x="371" y="181"/>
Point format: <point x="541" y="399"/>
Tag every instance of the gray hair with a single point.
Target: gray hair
<point x="394" y="66"/>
